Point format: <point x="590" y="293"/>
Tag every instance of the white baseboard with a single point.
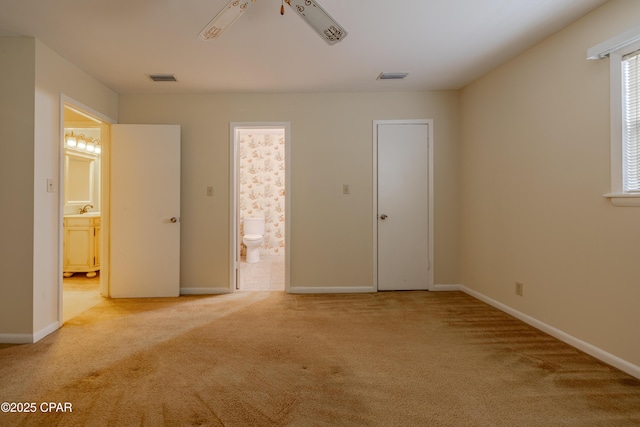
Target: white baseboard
<point x="16" y="338"/>
<point x="590" y="349"/>
<point x="358" y="289"/>
<point x="45" y="331"/>
<point x="447" y="288"/>
<point x="330" y="289"/>
<point x="29" y="338"/>
<point x="204" y="291"/>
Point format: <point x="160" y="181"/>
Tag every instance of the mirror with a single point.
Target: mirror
<point x="79" y="180"/>
<point x="81" y="168"/>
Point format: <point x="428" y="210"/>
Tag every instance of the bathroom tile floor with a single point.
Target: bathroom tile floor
<point x="266" y="275"/>
<point x="79" y="294"/>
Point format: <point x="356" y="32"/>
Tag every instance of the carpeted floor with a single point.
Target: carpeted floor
<point x="272" y="359"/>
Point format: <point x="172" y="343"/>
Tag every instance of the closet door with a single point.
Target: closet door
<point x="403" y="206"/>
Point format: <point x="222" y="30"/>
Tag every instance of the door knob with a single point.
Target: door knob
<point x="173" y="219"/>
<point x="383" y="217"/>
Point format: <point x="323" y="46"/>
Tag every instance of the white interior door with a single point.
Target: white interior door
<point x="145" y="211"/>
<point x="403" y="206"/>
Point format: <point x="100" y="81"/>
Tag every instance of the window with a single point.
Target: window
<point x="623" y="52"/>
<point x="631" y="122"/>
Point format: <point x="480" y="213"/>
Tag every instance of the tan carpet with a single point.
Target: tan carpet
<point x="271" y="359"/>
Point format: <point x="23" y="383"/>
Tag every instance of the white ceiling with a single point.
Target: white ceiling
<point x="443" y="44"/>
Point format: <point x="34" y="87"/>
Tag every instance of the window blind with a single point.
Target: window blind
<point x="631" y="125"/>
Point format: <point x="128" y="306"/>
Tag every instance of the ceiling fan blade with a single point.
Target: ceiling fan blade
<point x="319" y="20"/>
<point x="223" y="20"/>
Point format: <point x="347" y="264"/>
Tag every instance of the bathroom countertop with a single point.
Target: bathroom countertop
<point x="88" y="214"/>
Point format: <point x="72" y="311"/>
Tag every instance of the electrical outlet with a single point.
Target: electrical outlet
<point x="519" y="288"/>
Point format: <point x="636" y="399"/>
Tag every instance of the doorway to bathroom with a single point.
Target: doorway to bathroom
<point x="81" y="200"/>
<point x="260" y="206"/>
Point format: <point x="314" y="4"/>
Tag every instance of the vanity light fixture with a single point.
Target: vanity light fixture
<point x="83" y="143"/>
<point x="71" y="140"/>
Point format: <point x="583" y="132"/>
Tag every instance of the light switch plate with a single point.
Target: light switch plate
<point x="50" y="187"/>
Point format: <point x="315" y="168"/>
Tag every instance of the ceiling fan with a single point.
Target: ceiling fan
<point x="309" y="10"/>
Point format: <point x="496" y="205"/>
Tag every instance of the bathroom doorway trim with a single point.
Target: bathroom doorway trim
<point x="234" y="220"/>
<point x="106" y="122"/>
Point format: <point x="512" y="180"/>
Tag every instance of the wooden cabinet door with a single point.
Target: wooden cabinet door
<point x="78" y="247"/>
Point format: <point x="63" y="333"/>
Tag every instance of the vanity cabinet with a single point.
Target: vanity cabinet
<point x="81" y="244"/>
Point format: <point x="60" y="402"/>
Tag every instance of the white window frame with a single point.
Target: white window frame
<point x="615" y="49"/>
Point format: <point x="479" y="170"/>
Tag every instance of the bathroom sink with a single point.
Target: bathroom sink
<point x="89" y="214"/>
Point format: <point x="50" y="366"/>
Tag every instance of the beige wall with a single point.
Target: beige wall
<point x="55" y="76"/>
<point x="331" y="235"/>
<point x="534" y="167"/>
<point x="17" y="77"/>
<point x="33" y="79"/>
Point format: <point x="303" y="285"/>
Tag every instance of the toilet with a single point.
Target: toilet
<point x="253" y="238"/>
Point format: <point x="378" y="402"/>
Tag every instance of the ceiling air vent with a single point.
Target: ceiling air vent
<point x="392" y="76"/>
<point x="163" y="77"/>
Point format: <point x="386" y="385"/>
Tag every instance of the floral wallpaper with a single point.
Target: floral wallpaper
<point x="261" y="186"/>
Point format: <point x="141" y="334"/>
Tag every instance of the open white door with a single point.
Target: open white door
<point x="145" y="211"/>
